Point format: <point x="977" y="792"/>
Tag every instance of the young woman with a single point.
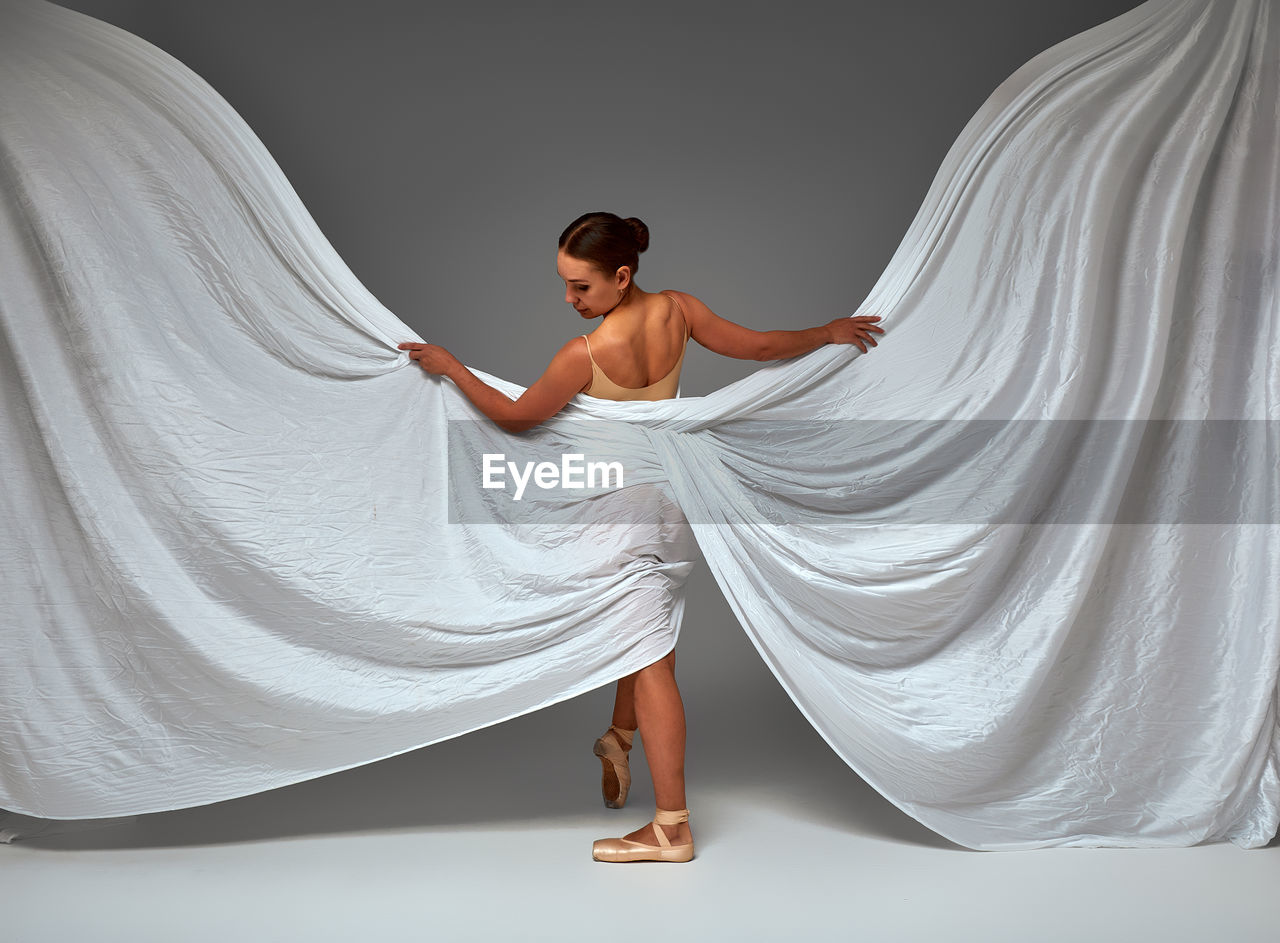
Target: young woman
<point x="636" y="352"/>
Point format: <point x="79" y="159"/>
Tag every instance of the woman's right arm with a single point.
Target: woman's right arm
<point x="733" y="340"/>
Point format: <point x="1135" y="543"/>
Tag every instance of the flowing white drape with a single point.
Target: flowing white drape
<point x="1018" y="567"/>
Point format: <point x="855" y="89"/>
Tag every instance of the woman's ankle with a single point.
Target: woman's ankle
<point x="625" y="735"/>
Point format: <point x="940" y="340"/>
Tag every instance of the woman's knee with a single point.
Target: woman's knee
<point x="664" y="665"/>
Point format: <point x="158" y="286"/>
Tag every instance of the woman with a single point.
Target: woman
<point x="636" y="352"/>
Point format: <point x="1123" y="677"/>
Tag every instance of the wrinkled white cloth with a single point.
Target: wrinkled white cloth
<point x="1018" y="567"/>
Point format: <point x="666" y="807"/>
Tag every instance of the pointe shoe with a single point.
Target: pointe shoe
<point x="623" y="849"/>
<point x="612" y="749"/>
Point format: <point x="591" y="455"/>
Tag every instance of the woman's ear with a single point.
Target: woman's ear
<point x="623" y="276"/>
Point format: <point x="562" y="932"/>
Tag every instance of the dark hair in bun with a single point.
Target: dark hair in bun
<point x="606" y="240"/>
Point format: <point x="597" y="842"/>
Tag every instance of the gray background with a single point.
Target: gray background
<point x="778" y="152"/>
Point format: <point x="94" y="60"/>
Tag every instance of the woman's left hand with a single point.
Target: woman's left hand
<point x="431" y="357"/>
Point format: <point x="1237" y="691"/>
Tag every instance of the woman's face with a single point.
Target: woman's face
<point x="588" y="289"/>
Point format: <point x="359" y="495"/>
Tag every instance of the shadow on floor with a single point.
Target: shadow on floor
<point x="534" y="768"/>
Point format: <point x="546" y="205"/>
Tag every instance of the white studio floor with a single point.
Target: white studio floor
<point x="488" y="837"/>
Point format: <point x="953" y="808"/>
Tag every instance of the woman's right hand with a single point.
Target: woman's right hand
<point x="855" y="330"/>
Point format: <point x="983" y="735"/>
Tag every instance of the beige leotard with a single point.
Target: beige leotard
<point x="603" y="388"/>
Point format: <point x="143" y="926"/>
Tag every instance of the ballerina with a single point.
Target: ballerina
<point x="635" y="353"/>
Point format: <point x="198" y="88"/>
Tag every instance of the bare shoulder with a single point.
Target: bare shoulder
<point x="572" y="353"/>
<point x="683" y="298"/>
<point x="690" y="306"/>
<point x="571" y="363"/>
<point x="717" y="333"/>
<point x="696" y="313"/>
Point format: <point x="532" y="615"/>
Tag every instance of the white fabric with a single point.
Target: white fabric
<point x="229" y="563"/>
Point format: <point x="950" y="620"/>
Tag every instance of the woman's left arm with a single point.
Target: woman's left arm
<point x="566" y="376"/>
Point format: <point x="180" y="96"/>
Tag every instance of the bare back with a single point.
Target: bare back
<point x="639" y="358"/>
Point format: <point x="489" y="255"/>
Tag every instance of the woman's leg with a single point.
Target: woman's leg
<point x="624" y="703"/>
<point x="624" y="717"/>
<point x="660" y="713"/>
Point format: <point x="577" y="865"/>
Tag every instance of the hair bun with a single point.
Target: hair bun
<point x="641" y="233"/>
<point x="606" y="240"/>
